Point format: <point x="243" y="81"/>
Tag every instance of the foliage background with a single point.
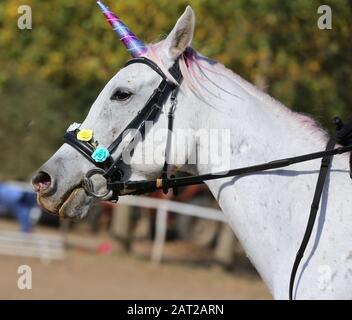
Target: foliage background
<point x="50" y="75"/>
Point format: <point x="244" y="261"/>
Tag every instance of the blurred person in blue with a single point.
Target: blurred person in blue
<point x="19" y="203"/>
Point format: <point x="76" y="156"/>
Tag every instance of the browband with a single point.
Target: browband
<point x="174" y="70"/>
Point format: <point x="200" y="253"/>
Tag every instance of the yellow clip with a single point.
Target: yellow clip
<point x="85" y="135"/>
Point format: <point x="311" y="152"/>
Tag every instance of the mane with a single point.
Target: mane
<point x="186" y="60"/>
<point x="195" y="69"/>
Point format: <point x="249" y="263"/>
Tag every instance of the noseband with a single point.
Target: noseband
<point x="111" y="169"/>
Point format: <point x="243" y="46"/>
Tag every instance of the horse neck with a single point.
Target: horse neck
<point x="267" y="212"/>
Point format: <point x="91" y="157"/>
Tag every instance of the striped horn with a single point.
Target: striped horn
<point x="134" y="46"/>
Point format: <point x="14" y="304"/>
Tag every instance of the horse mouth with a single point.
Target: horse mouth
<point x="74" y="204"/>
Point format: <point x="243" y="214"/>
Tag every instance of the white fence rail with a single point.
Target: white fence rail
<point x="162" y="207"/>
<point x="174" y="206"/>
<point x="45" y="247"/>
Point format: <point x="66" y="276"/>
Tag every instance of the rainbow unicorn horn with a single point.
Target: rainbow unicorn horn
<point x="134" y="46"/>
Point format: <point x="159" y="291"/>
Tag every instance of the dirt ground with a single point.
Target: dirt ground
<point x="84" y="274"/>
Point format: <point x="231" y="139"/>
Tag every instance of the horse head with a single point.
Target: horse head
<point x="58" y="182"/>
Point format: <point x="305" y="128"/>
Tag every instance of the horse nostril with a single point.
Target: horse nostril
<point x="42" y="182"/>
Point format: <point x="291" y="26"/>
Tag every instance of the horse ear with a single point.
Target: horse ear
<point x="182" y="34"/>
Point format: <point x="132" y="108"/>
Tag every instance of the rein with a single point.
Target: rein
<point x="111" y="170"/>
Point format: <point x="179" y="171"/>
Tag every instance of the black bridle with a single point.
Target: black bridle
<point x="111" y="169"/>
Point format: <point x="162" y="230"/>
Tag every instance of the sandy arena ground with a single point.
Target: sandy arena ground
<point x="84" y="274"/>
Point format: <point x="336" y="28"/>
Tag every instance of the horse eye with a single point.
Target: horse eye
<point x="120" y="95"/>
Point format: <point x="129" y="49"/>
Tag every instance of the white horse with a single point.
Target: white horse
<point x="268" y="212"/>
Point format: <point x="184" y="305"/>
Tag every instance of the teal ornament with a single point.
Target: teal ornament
<point x="100" y="154"/>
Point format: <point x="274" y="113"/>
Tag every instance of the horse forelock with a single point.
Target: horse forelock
<point x="188" y="61"/>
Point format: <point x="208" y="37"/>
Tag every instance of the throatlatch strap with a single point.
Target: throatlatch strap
<point x="170" y="126"/>
<point x="324" y="169"/>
